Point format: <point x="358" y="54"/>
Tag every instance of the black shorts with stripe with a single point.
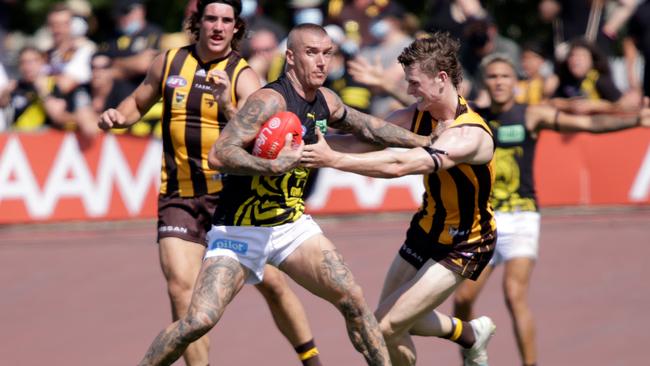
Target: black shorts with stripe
<point x="466" y="259"/>
<point x="187" y="218"/>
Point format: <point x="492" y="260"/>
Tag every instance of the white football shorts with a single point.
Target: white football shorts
<point x="254" y="246"/>
<point x="517" y="236"/>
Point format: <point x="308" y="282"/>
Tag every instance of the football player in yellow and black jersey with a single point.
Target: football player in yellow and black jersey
<point x="202" y="86"/>
<point x="452" y="236"/>
<point x="260" y="218"/>
<point x="516" y="127"/>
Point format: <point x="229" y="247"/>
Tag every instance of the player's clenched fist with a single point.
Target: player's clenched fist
<point x="111" y="118"/>
<point x="221" y="85"/>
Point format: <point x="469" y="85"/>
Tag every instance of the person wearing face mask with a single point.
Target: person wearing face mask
<point x="135" y="43"/>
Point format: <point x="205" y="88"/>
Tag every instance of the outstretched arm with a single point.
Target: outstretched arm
<point x="229" y="155"/>
<point x="369" y="128"/>
<point x="544" y="117"/>
<point x="465" y="144"/>
<point x="351" y="144"/>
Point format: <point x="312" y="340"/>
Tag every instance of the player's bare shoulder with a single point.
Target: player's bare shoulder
<point x="156" y="69"/>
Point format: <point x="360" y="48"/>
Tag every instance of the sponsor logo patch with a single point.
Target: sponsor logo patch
<point x="176" y="81"/>
<point x="454" y="231"/>
<point x="234" y="245"/>
<point x="321" y="124"/>
<point x="511" y="134"/>
<point x="172" y="229"/>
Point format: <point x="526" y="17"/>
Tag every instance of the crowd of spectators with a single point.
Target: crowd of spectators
<point x="61" y="77"/>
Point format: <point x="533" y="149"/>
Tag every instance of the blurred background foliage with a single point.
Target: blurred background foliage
<point x="517" y="19"/>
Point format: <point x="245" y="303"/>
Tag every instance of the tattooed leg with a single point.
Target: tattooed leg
<point x="219" y="281"/>
<point x="317" y="266"/>
<point x="362" y="326"/>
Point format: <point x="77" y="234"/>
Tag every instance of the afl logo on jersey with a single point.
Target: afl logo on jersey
<point x="175" y="81"/>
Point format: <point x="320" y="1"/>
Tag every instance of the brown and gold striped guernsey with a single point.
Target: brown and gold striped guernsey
<point x="456" y="203"/>
<point x="192" y="120"/>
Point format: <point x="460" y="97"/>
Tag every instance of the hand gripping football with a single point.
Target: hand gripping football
<point x="270" y="139"/>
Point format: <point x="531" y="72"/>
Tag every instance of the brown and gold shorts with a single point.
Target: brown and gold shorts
<point x="466" y="259"/>
<point x="187" y="218"/>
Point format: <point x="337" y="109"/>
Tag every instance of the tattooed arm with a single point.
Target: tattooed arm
<point x="539" y="117"/>
<point x="369" y="128"/>
<point x="229" y="155"/>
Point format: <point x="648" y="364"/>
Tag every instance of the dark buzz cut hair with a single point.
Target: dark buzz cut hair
<point x="193" y="23"/>
<point x="304" y="27"/>
<point x="437" y="52"/>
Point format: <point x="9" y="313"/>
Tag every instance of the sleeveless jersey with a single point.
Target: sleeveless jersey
<point x="514" y="188"/>
<point x="273" y="200"/>
<point x="192" y="120"/>
<point x="456" y="202"/>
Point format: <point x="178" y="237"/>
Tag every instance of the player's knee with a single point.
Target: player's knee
<point x="195" y="325"/>
<point x="387" y="331"/>
<point x="515" y="293"/>
<point x="350" y="298"/>
<point x="180" y="290"/>
<point x="273" y="289"/>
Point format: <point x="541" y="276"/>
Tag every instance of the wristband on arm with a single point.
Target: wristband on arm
<point x="435" y="155"/>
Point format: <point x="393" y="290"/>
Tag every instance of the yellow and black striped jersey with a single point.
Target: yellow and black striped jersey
<point x="192" y="120"/>
<point x="514" y="186"/>
<point x="274" y="200"/>
<point x="456" y="203"/>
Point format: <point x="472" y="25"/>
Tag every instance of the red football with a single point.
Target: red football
<point x="270" y="139"/>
